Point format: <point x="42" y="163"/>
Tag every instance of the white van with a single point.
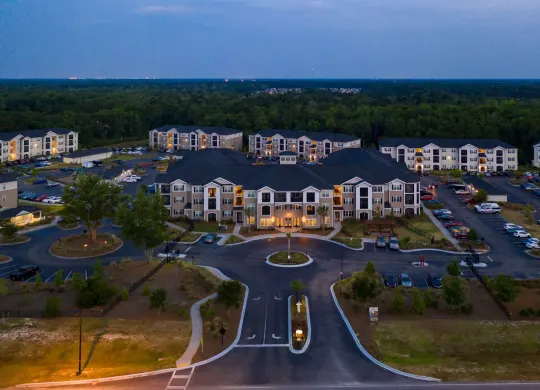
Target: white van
<point x="487" y="208"/>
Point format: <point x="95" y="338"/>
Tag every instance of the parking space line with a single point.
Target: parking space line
<point x="5" y="273"/>
<point x="67" y="277"/>
<point x="489" y="258"/>
<point x="6" y="267"/>
<point x="265" y="318"/>
<point x="27" y="280"/>
<point x="50" y="277"/>
<point x="187" y="250"/>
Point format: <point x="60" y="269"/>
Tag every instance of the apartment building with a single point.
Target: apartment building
<point x="308" y="145"/>
<point x="426" y="154"/>
<point x="195" y="138"/>
<point x="9" y="191"/>
<point x="41" y="142"/>
<point x="536" y="155"/>
<point x="221" y="184"/>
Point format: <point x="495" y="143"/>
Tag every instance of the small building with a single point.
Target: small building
<point x="536" y="155"/>
<point x="287" y="157"/>
<point x="9" y="190"/>
<point x="22" y="215"/>
<point x="88" y="155"/>
<point x="116" y="174"/>
<point x="475" y="183"/>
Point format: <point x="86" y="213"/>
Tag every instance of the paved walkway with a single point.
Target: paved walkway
<point x="40" y="227"/>
<point x="440" y="226"/>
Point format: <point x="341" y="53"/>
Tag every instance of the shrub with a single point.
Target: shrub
<point x="230" y="293"/>
<point x="398" y="302"/>
<point x="124" y="294"/>
<point x="453" y="268"/>
<point x="524" y="313"/>
<point x="504" y="287"/>
<point x="418" y="306"/>
<point x="59" y="278"/>
<point x="183" y="312"/>
<point x="146" y="290"/>
<point x="3" y="287"/>
<point x="158" y="298"/>
<point x="207" y="310"/>
<point x="39" y="283"/>
<point x="94" y="291"/>
<point x="472" y="235"/>
<point x="9" y="230"/>
<point x="52" y="307"/>
<point x="467" y="308"/>
<point x="76" y="281"/>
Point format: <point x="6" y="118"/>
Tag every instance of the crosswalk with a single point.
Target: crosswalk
<point x="180" y="379"/>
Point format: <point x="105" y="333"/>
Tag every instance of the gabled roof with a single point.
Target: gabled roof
<point x="205" y="129"/>
<point x="87" y="152"/>
<point x="455" y="143"/>
<point x="313" y="135"/>
<point x="37" y="133"/>
<point x="10" y="213"/>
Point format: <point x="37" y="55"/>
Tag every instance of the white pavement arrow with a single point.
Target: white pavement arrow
<point x="276" y="298"/>
<point x="256" y="299"/>
<point x="251" y="338"/>
<point x="298" y="305"/>
<point x="275" y="337"/>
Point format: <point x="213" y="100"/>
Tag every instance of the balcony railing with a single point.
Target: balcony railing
<point x="238" y="202"/>
<point x="338" y="201"/>
<point x="165" y="189"/>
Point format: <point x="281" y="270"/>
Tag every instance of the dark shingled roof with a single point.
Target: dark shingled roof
<point x="481" y="184"/>
<point x="9" y="176"/>
<point x="206" y="129"/>
<point x="312" y="135"/>
<point x="87" y="152"/>
<point x="10" y="213"/>
<point x="32" y="133"/>
<point x="453" y="143"/>
<point x="207" y="165"/>
<point x="287" y="153"/>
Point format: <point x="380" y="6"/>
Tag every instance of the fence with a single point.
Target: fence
<point x="476" y="259"/>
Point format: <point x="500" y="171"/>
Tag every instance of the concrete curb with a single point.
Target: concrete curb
<point x="367" y="354"/>
<point x="308" y="338"/>
<point x="17" y="243"/>
<point x="480" y="251"/>
<point x="86" y="257"/>
<point x="350" y="247"/>
<point x="216" y="272"/>
<point x="67" y="230"/>
<point x="512" y="185"/>
<point x="310" y="260"/>
<point x="188" y="243"/>
<point x="9" y="260"/>
<point x="528" y="252"/>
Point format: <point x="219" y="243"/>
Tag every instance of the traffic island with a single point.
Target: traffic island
<point x="15" y="240"/>
<point x="299" y="324"/>
<point x="286" y="259"/>
<point x="79" y="246"/>
<point x="5" y="259"/>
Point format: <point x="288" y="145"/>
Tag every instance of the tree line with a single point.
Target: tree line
<point x="113" y="112"/>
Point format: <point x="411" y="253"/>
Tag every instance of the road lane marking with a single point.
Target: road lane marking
<point x="490" y="259"/>
<point x="276" y="298"/>
<point x="260" y="345"/>
<point x="275" y="337"/>
<point x="187" y="249"/>
<point x="265" y="318"/>
<point x="50" y="277"/>
<point x="12" y="269"/>
<point x="67" y="277"/>
<point x="27" y="280"/>
<point x="257" y="299"/>
<point x="252" y="337"/>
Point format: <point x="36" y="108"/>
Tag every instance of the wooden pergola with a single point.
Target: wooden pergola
<point x="380" y="226"/>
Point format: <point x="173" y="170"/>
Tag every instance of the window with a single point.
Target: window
<point x="377" y="200"/>
<point x="178" y="187"/>
<point x="227" y="201"/>
<point x="396" y="187"/>
<point x="266" y="221"/>
<point x="396" y="199"/>
<point x="397" y="211"/>
<point x="197" y="189"/>
<point x="364" y="191"/>
<point x="251" y="206"/>
<point x="227" y="214"/>
<point x="265" y="210"/>
<point x="281" y="207"/>
<point x="310" y="222"/>
<point x="198" y="214"/>
<point x="348" y="188"/>
<point x="348" y="213"/>
<point x="310" y="197"/>
<point x="178" y="199"/>
<point x="265" y="197"/>
<point x="212" y="192"/>
<point x="377" y="189"/>
<point x="326" y="194"/>
<point x="251" y="194"/>
<point x="348" y="200"/>
<point x="3" y="198"/>
<point x="296" y="207"/>
<point x="227" y="189"/>
<point x="310" y="210"/>
<point x="280" y="197"/>
<point x="409" y="188"/>
<point x="364" y="203"/>
<point x="198" y="201"/>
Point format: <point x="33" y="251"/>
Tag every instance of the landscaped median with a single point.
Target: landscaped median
<point x="234" y="239"/>
<point x="79" y="246"/>
<point x="457" y="333"/>
<point x="351" y="242"/>
<point x="289" y="259"/>
<point x="299" y="324"/>
<point x="4" y="259"/>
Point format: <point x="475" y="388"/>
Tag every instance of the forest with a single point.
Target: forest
<point x="109" y="111"/>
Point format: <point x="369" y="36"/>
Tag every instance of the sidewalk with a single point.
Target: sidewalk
<point x="439" y="225"/>
<point x="328" y="237"/>
<point x="39" y="227"/>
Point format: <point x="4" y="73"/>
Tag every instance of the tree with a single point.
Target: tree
<point x="297" y="286"/>
<point x="98" y="270"/>
<point x="143" y="221"/>
<point x="398" y="302"/>
<point x="230" y="294"/>
<point x="158" y="299"/>
<point x="9" y="230"/>
<point x="248" y="213"/>
<point x="52" y="307"/>
<point x="322" y="210"/>
<point x="365" y="286"/>
<point x="59" y="278"/>
<point x="472" y="235"/>
<point x="124" y="294"/>
<point x="504" y="287"/>
<point x="369" y="269"/>
<point x="34" y="172"/>
<point x="95" y="290"/>
<point x="418" y="305"/>
<point x="480" y="196"/>
<point x="76" y="281"/>
<point x="91" y="199"/>
<point x="454" y="291"/>
<point x="453" y="268"/>
<point x="39" y="282"/>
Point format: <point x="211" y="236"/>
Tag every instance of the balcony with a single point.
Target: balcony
<point x="166" y="200"/>
<point x="337" y="201"/>
<point x="239" y="202"/>
<point x="297" y="199"/>
<point x="165" y="189"/>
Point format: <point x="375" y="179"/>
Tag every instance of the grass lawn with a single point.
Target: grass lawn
<point x="202" y="226"/>
<point x="296" y="258"/>
<point x="461" y="350"/>
<point x="519" y="217"/>
<point x="349" y="241"/>
<point x="18" y="238"/>
<point x="413" y="228"/>
<point x="190" y="237"/>
<point x="233" y="239"/>
<point x="47" y="208"/>
<point x="254" y="232"/>
<point x="79" y="245"/>
<point x="318" y="232"/>
<point x="47" y="349"/>
<point x="3" y="259"/>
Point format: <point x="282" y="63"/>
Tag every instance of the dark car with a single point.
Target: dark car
<point x="381" y="242"/>
<point x="24" y="273"/>
<point x="39" y="181"/>
<point x="390" y="280"/>
<point x="209" y="239"/>
<point x="434" y="281"/>
<point x="67" y="169"/>
<point x="445" y="218"/>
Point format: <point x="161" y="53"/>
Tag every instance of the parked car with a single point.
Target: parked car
<point x="130" y="180"/>
<point x="381" y="242"/>
<point x="434" y="281"/>
<point x="512" y="225"/>
<point x="468" y="200"/>
<point x="40" y="198"/>
<point x="137" y="178"/>
<point x="532" y="243"/>
<point x="209" y="239"/>
<point x="393" y="243"/>
<point x="433" y="201"/>
<point x="405" y="280"/>
<point x="53" y="200"/>
<point x="390" y="280"/>
<point x="441" y="211"/>
<point x="24" y="272"/>
<point x="487" y="208"/>
<point x="39" y="181"/>
<point x="513" y="230"/>
<point x="426" y="197"/>
<point x="67" y="169"/>
<point x="462" y="192"/>
<point x="522" y="234"/>
<point x="452" y="224"/>
<point x="51" y="184"/>
<point x="445" y="217"/>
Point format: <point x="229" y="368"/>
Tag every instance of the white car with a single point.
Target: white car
<point x="130" y="180"/>
<point x="52" y="199"/>
<point x="532" y="244"/>
<point x="169" y="151"/>
<point x="137" y="178"/>
<point x="137" y="153"/>
<point x="46" y="163"/>
<point x="522" y="234"/>
<point x="512" y="226"/>
<point x="461" y="192"/>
